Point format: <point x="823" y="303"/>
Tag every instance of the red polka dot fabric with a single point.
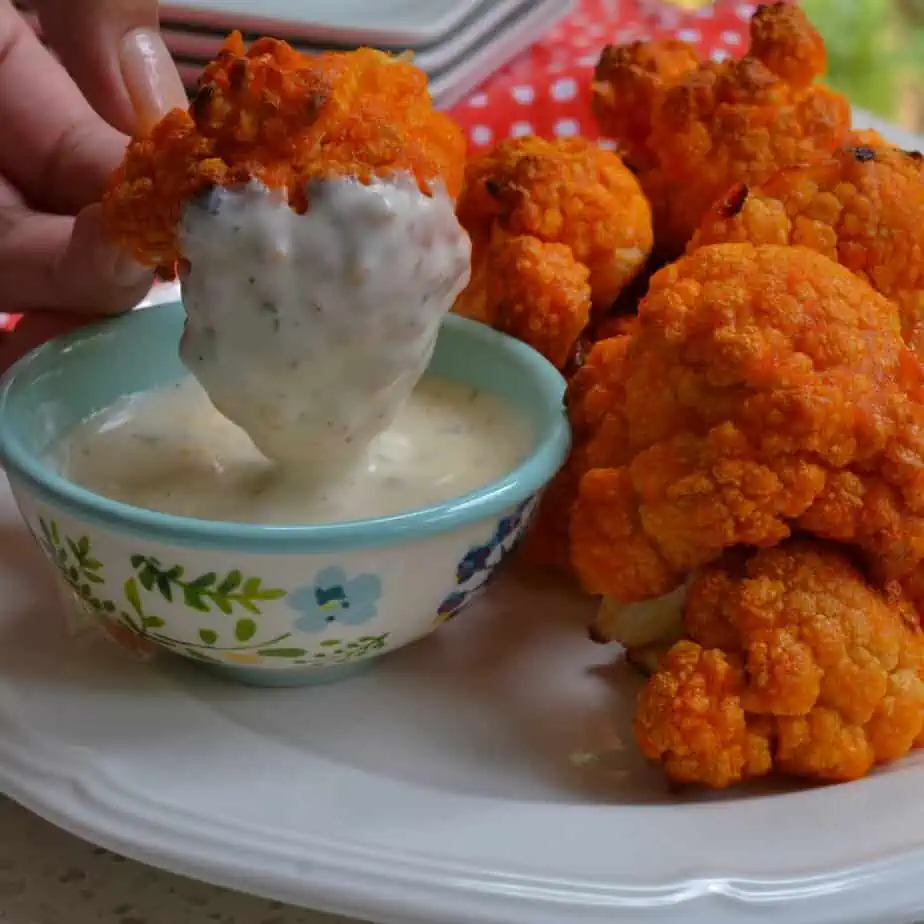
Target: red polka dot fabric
<point x="546" y="90"/>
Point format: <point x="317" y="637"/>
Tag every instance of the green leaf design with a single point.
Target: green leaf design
<point x="130" y="589"/>
<point x="164" y="586"/>
<point x="245" y="630"/>
<point x="208" y="636"/>
<point x="330" y="643"/>
<point x="205" y="580"/>
<point x="282" y="652"/>
<point x="194" y="601"/>
<point x="231" y="582"/>
<point x="208" y="591"/>
<point x="55" y="535"/>
<point x="153" y="622"/>
<point x="74" y="550"/>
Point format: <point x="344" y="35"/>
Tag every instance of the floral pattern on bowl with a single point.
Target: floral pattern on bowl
<point x="480" y="564"/>
<point x="333" y="597"/>
<point x="131" y="618"/>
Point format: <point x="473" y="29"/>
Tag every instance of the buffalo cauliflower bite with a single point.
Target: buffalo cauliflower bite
<point x="794" y="663"/>
<point x="538" y="293"/>
<point x="592" y="391"/>
<point x="706" y="126"/>
<point x="764" y="389"/>
<point x="863" y="207"/>
<point x="272" y="114"/>
<point x="568" y="193"/>
<point x="310" y="203"/>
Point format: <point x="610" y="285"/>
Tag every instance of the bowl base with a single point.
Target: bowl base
<point x="294" y="677"/>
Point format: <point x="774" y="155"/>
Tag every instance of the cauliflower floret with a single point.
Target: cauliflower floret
<point x="863" y="207"/>
<point x="795" y="663"/>
<point x="275" y="115"/>
<point x="764" y="388"/>
<point x="694" y="129"/>
<point x="567" y="192"/>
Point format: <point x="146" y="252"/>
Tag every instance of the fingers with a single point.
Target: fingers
<point x="34" y="329"/>
<point x="53" y="146"/>
<point x="115" y="53"/>
<point x="60" y="263"/>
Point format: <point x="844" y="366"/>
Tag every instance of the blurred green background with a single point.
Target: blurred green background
<point x="876" y="54"/>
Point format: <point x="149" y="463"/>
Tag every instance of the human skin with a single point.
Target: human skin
<point x="65" y="126"/>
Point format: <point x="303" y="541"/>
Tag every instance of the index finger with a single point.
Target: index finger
<point x="114" y="51"/>
<point x="53" y="147"/>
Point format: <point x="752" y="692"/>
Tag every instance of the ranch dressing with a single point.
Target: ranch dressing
<point x="170" y="450"/>
<point x="310" y="331"/>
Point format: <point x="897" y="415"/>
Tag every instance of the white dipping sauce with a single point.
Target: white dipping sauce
<point x="309" y="331"/>
<point x="171" y="451"/>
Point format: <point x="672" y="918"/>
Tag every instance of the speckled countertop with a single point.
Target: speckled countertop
<point x="50" y="877"/>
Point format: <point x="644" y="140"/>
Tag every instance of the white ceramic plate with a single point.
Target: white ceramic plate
<point x="197" y="47"/>
<point x="389" y="22"/>
<point x="470" y="65"/>
<point x="448" y="786"/>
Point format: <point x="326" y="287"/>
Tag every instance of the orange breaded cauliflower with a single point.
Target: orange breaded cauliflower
<point x="765" y="389"/>
<point x="863" y="207"/>
<point x="595" y="388"/>
<point x="567" y="192"/>
<point x="273" y="114"/>
<point x="704" y="126"/>
<point x="795" y="663"/>
<point x="538" y="293"/>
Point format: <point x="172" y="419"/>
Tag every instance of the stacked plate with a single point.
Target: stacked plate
<point x="457" y="42"/>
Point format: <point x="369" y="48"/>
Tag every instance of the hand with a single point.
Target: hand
<point x="63" y="133"/>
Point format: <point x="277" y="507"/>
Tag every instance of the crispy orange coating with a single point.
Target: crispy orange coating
<point x="568" y="192"/>
<point x="795" y="663"/>
<point x="595" y="388"/>
<point x="764" y="387"/>
<point x="538" y="293"/>
<point x="708" y="126"/>
<point x="284" y="118"/>
<point x="863" y="207"/>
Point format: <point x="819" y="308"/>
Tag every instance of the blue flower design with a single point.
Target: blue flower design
<point x="332" y="597"/>
<point x="480" y="563"/>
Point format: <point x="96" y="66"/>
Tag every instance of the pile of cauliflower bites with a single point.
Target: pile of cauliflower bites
<point x="752" y="430"/>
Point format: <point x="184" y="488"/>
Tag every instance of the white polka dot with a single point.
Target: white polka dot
<point x="607" y="144"/>
<point x="478" y="101"/>
<point x="564" y="89"/>
<point x="720" y="54"/>
<point x="481" y="134"/>
<point x="519" y="129"/>
<point x="596" y="31"/>
<point x="690" y="35"/>
<point x="588" y="61"/>
<point x="566" y="128"/>
<point x="745" y="11"/>
<point x="731" y="38"/>
<point x="706" y="12"/>
<point x="624" y="36"/>
<point x="523" y="94"/>
<point x="581" y="41"/>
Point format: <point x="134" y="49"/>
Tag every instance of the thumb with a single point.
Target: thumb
<point x="97" y="275"/>
<point x="59" y="263"/>
<point x="114" y="52"/>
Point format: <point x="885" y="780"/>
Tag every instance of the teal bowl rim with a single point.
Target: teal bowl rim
<point x="548" y="455"/>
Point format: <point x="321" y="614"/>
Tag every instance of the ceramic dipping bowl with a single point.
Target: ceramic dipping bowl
<point x="264" y="605"/>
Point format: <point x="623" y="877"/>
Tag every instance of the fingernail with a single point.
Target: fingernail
<point x="150" y="76"/>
